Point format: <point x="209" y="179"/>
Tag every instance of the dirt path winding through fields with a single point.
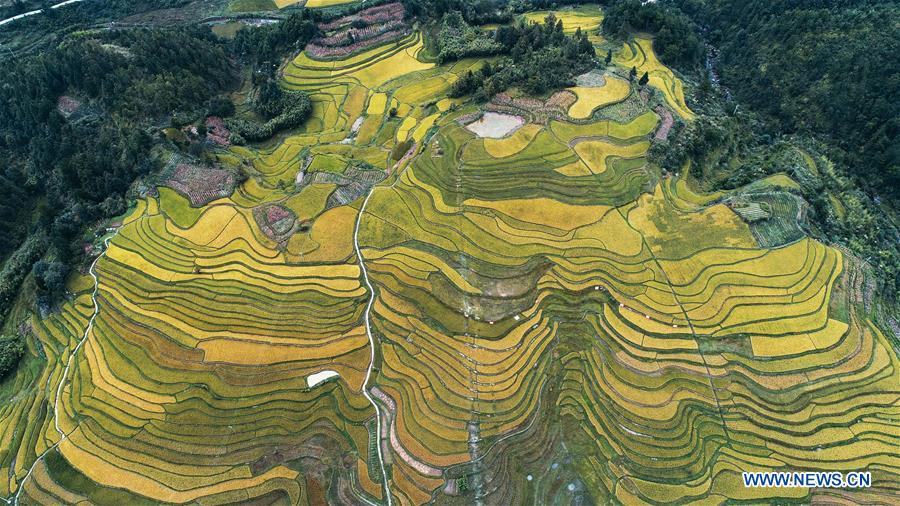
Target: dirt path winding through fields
<point x="62" y="380"/>
<point x="403" y="162"/>
<point x="84" y="337"/>
<point x="365" y="385"/>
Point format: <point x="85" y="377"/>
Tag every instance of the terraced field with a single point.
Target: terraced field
<point x="639" y="53"/>
<point x="312" y="4"/>
<point x="585" y="17"/>
<point x="612" y="91"/>
<point x="533" y="319"/>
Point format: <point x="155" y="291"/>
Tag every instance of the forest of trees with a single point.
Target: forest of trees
<point x="821" y="67"/>
<point x="458" y="39"/>
<point x="264" y="48"/>
<point x="60" y="174"/>
<point x="675" y="37"/>
<point x="50" y="27"/>
<point x="264" y="45"/>
<point x="11" y="350"/>
<point x="537" y="58"/>
<point x="826" y="72"/>
<point x="473" y="11"/>
<point x="281" y="109"/>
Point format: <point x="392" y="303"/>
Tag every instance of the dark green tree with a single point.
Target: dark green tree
<point x="11" y="351"/>
<point x="704" y="90"/>
<point x="50" y="278"/>
<point x="220" y="106"/>
<point x="536" y="57"/>
<point x="269" y="100"/>
<point x="675" y="37"/>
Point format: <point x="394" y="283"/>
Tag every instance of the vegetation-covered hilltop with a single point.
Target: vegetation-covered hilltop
<point x="75" y="132"/>
<point x="814" y="75"/>
<point x="828" y="75"/>
<point x="437" y="251"/>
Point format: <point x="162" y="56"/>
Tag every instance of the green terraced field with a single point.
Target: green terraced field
<point x="527" y="321"/>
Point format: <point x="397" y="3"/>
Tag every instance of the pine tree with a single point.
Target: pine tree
<point x="585" y="46"/>
<point x="632" y="74"/>
<point x="644" y="79"/>
<point x="608" y="56"/>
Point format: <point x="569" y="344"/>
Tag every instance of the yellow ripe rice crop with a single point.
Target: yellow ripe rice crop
<point x="333" y="232"/>
<point x="104" y="472"/>
<point x="312" y="4"/>
<point x="770" y="346"/>
<point x="519" y="140"/>
<point x="403" y="132"/>
<point x="420" y="92"/>
<point x="383" y="71"/>
<point x="673" y="233"/>
<point x="640" y="54"/>
<point x="596" y="153"/>
<point x="545" y="212"/>
<point x="377" y="103"/>
<point x="419" y="133"/>
<point x="241" y="352"/>
<point x="590" y="99"/>
<point x="587" y="18"/>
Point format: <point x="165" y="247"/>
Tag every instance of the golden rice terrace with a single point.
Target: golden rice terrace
<point x="417" y="299"/>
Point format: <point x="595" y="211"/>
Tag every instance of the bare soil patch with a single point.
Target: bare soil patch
<point x="358" y="32"/>
<point x="217" y="132"/>
<point x="662" y="133"/>
<point x="533" y="109"/>
<point x="201" y="185"/>
<point x="276" y="222"/>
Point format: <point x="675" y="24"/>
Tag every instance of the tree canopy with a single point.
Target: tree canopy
<point x="74" y="134"/>
<point x="539" y="58"/>
<point x="675" y="37"/>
